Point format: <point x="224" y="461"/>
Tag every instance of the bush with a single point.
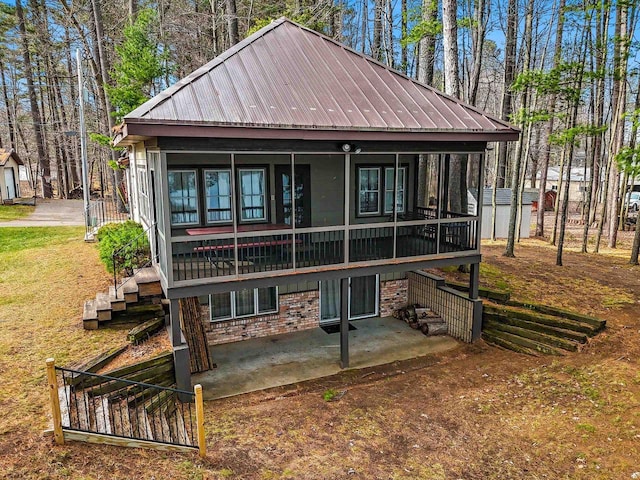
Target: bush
<point x="128" y="243"/>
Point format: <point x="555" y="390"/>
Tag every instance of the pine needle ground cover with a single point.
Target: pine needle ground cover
<point x="476" y="412"/>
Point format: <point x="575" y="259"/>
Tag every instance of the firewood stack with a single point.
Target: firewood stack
<point x="423" y="319"/>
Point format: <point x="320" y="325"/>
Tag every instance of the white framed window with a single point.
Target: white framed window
<point x="243" y="303"/>
<point x="252" y="183"/>
<point x="183" y="197"/>
<point x="217" y="188"/>
<point x="368" y="191"/>
<point x="400" y="189"/>
<point x="143" y="192"/>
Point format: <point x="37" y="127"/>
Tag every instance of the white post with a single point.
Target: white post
<point x="83" y="146"/>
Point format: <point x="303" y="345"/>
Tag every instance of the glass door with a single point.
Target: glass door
<point x="301" y="191"/>
<point x="329" y="301"/>
<point x="363" y="298"/>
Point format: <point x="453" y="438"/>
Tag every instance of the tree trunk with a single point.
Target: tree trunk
<point x="478" y="37"/>
<point x="509" y="76"/>
<point x="9" y="114"/>
<point x="544" y="164"/>
<point x="427" y="45"/>
<point x="232" y="22"/>
<point x="404" y="58"/>
<point x="376" y="46"/>
<point x="36" y="119"/>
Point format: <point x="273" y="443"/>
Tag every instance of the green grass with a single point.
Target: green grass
<point x="15" y="239"/>
<point x="15" y="212"/>
<point x="47" y="274"/>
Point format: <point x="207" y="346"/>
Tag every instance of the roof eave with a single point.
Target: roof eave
<point x="144" y="129"/>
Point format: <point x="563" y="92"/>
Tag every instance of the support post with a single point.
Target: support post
<point x="474" y="280"/>
<point x="181" y="361"/>
<point x="344" y="323"/>
<point x="202" y="441"/>
<point x="52" y="381"/>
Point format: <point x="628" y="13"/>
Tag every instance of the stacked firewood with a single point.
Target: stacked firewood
<point x="423" y="319"/>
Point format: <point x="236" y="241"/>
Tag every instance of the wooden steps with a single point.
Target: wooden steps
<point x="136" y="300"/>
<point x="537" y="329"/>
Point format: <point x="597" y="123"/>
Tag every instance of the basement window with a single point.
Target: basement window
<point x="243" y="303"/>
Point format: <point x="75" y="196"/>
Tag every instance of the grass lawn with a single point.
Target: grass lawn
<point x="473" y="413"/>
<point x="15" y="212"/>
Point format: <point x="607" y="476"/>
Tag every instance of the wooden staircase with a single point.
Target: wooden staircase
<point x="136" y="299"/>
<point x="139" y="411"/>
<point x="537" y="329"/>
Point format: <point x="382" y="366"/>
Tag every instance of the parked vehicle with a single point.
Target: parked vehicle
<point x="633" y="199"/>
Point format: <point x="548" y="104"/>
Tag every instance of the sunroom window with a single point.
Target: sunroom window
<point x="252" y="194"/>
<point x="218" y="192"/>
<point x="183" y="197"/>
<point x="400" y="190"/>
<point x="368" y="191"/>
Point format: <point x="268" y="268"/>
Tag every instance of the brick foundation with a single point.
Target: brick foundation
<point x="298" y="311"/>
<point x="393" y="295"/>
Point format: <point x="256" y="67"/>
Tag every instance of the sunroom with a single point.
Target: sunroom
<point x="235" y="214"/>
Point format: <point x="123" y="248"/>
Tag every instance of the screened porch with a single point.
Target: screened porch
<point x="240" y="214"/>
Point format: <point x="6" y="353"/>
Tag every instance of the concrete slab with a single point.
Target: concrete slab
<point x="279" y="360"/>
<point x="52" y="213"/>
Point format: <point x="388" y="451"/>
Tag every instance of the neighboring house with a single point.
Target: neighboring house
<point x="9" y="175"/>
<point x="578" y="187"/>
<point x="503" y="211"/>
<point x="281" y="181"/>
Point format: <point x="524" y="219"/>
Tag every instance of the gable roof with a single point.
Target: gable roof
<point x="6" y="154"/>
<point x="288" y="77"/>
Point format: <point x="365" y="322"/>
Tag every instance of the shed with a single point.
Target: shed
<point x="9" y="175"/>
<point x="503" y="208"/>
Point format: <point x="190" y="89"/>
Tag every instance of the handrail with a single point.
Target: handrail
<point x="120" y="408"/>
<point x="119" y="253"/>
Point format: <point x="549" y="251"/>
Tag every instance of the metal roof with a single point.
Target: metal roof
<point x="288" y="77"/>
<point x="6" y="154"/>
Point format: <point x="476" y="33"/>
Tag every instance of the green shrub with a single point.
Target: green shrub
<point x="129" y="244"/>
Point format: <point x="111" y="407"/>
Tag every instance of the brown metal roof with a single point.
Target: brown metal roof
<point x="287" y="77"/>
<point x="6" y="154"/>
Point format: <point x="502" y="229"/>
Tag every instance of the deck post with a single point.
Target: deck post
<point x="181" y="361"/>
<point x="474" y="280"/>
<point x="344" y="323"/>
<point x="52" y="382"/>
<point x="202" y="441"/>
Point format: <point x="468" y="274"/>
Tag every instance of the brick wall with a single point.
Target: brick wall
<point x="393" y="295"/>
<point x="298" y="311"/>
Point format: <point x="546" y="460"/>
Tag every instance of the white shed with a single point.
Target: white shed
<point x="9" y="175"/>
<point x="503" y="208"/>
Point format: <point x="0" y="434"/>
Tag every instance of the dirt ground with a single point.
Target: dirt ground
<point x="476" y="412"/>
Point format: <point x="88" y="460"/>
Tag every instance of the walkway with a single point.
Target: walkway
<point x="279" y="360"/>
<point x="52" y="213"/>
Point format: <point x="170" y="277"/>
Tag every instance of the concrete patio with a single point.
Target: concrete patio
<point x="279" y="360"/>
